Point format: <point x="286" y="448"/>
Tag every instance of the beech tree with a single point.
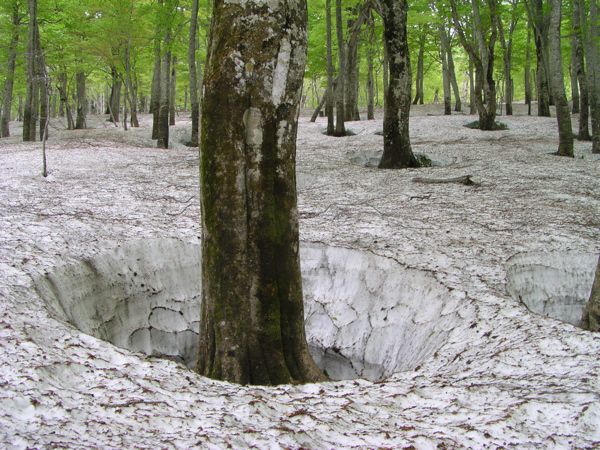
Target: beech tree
<point x="397" y="152"/>
<point x="252" y="323"/>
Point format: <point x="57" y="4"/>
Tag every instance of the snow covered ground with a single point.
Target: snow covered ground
<point x="495" y="375"/>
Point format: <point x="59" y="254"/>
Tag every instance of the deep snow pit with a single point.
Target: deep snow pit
<point x="555" y="285"/>
<point x="366" y="316"/>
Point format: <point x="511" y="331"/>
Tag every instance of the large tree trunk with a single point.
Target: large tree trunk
<point x="5" y="112"/>
<point x="330" y="87"/>
<point x="397" y="152"/>
<point x="172" y="90"/>
<point x="252" y="324"/>
<point x="81" y="101"/>
<point x="165" y="94"/>
<point x="156" y="89"/>
<point x="340" y="129"/>
<point x="419" y="94"/>
<point x="563" y="114"/>
<point x="591" y="314"/>
<point x="30" y="111"/>
<point x="578" y="67"/>
<point x="193" y="73"/>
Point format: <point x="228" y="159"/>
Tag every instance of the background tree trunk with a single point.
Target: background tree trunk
<point x="578" y="67"/>
<point x="41" y="100"/>
<point x="397" y="151"/>
<point x="370" y="69"/>
<point x="252" y="324"/>
<point x="453" y="82"/>
<point x="64" y="99"/>
<point x="444" y="50"/>
<point x="165" y="94"/>
<point x="156" y="89"/>
<point x="5" y="112"/>
<point x="172" y="90"/>
<point x="563" y="115"/>
<point x="115" y="95"/>
<point x="330" y="87"/>
<point x="539" y="21"/>
<point x="340" y="129"/>
<point x="30" y="113"/>
<point x="193" y="74"/>
<point x="351" y="95"/>
<point x="419" y="94"/>
<point x="592" y="55"/>
<point x="81" y="101"/>
<point x="527" y="81"/>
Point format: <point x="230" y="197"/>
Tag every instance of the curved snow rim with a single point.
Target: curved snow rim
<point x="366" y="316"/>
<point x="552" y="284"/>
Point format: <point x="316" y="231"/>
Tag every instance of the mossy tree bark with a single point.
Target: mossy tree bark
<point x="591" y="314"/>
<point x="563" y="113"/>
<point x="5" y="112"/>
<point x="252" y="324"/>
<point x="397" y="152"/>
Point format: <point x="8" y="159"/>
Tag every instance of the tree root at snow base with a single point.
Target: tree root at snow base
<point x="465" y="179"/>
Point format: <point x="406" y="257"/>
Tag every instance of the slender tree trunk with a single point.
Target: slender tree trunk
<point x="64" y="99"/>
<point x="527" y="81"/>
<point x="20" y="109"/>
<point x="420" y="67"/>
<point x="578" y="67"/>
<point x="539" y="21"/>
<point x="30" y="113"/>
<point x="330" y="87"/>
<point x="573" y="72"/>
<point x="563" y="115"/>
<point x="340" y="129"/>
<point x="172" y="91"/>
<point x="252" y="324"/>
<point x="444" y="51"/>
<point x="5" y="111"/>
<point x="397" y="151"/>
<point x="370" y="69"/>
<point x="317" y="110"/>
<point x="472" y="107"/>
<point x="591" y="314"/>
<point x="592" y="55"/>
<point x="81" y="101"/>
<point x="193" y="74"/>
<point x="165" y="91"/>
<point x="351" y="93"/>
<point x="156" y="89"/>
<point x="41" y="100"/>
<point x="115" y="95"/>
<point x="453" y="82"/>
<point x="131" y="87"/>
<point x="385" y="68"/>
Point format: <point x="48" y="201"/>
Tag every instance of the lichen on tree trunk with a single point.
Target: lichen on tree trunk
<point x="252" y="324"/>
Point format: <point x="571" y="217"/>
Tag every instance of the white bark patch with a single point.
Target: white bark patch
<point x="281" y="71"/>
<point x="272" y="4"/>
<point x="252" y="125"/>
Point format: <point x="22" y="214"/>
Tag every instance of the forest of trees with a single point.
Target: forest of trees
<point x="246" y="64"/>
<point x="122" y="58"/>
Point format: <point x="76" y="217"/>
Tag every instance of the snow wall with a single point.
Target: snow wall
<point x="366" y="316"/>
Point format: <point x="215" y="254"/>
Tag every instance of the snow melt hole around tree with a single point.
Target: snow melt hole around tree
<point x="552" y="284"/>
<point x="366" y="316"/>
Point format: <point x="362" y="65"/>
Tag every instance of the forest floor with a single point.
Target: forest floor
<point x="506" y="378"/>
